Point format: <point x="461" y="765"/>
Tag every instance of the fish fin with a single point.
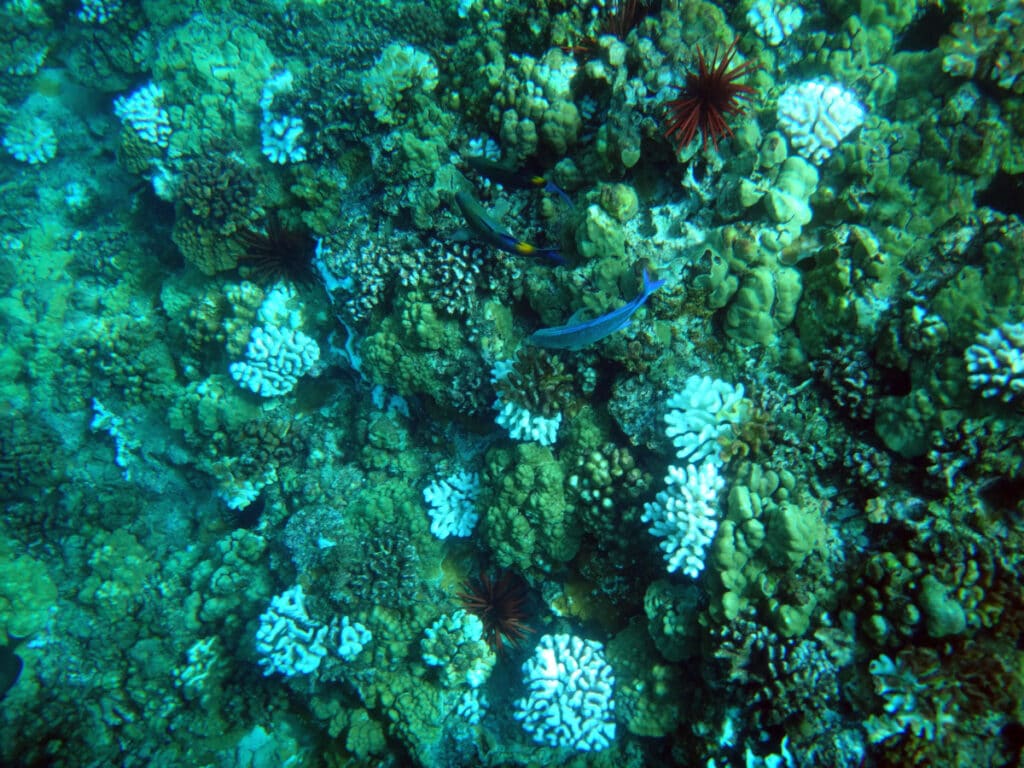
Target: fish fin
<point x="650" y="286"/>
<point x="550" y="186"/>
<point x="461" y="235"/>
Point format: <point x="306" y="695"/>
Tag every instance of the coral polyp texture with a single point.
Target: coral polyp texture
<point x="570" y="695"/>
<point x="143" y="112"/>
<point x="685" y="515"/>
<point x="307" y="459"/>
<point x="539" y="425"/>
<point x="995" y="363"/>
<point x="817" y="116"/>
<point x="704" y="412"/>
<point x="30" y="140"/>
<point x="275" y="360"/>
<point x="452" y="502"/>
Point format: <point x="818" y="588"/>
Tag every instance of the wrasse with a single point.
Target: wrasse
<point x="579" y="335"/>
<point x="487" y="229"/>
<point x="512" y="178"/>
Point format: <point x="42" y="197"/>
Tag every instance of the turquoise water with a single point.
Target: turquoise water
<point x="288" y="481"/>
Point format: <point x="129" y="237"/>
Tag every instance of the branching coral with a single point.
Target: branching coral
<point x="609" y="484"/>
<point x="221" y="191"/>
<point x="540" y="382"/>
<point x="448" y="272"/>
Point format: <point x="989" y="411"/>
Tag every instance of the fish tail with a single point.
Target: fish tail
<point x="551" y="254"/>
<point x="552" y="187"/>
<point x="650" y="286"/>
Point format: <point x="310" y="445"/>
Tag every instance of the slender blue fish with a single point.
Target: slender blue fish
<point x="487" y="229"/>
<point x="579" y="335"/>
<point x="514" y="179"/>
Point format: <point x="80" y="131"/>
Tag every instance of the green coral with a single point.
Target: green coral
<point x="213" y="69"/>
<point x="27" y="593"/>
<point x="646" y="690"/>
<point x="397" y="83"/>
<point x="673" y="619"/>
<point x="770" y="529"/>
<point x="455" y="645"/>
<point x="988" y="44"/>
<point x="534" y="106"/>
<point x="528" y="523"/>
<point x="416" y="351"/>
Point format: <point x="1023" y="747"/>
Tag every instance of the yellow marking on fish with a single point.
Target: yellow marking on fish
<point x="524" y="249"/>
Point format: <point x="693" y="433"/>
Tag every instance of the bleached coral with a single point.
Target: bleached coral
<point x="291" y="642"/>
<point x="685" y="515"/>
<point x="143" y="112"/>
<point x="995" y="362"/>
<point x="288" y="640"/>
<point x="774" y="21"/>
<point x="281" y="139"/>
<point x="703" y="412"/>
<point x="518" y="421"/>
<point x="472" y="706"/>
<point x="352" y="638"/>
<point x="30" y="140"/>
<point x="570" y="694"/>
<point x="281" y="307"/>
<point x="275" y="359"/>
<point x="452" y="503"/>
<point x="203" y="657"/>
<point x="281" y="135"/>
<point x="816" y="116"/>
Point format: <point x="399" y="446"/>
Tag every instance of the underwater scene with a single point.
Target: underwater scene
<point x="504" y="383"/>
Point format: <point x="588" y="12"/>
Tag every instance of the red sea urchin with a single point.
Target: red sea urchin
<point x="709" y="95"/>
<point x="501" y="606"/>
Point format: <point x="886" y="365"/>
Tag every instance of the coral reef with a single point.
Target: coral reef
<point x="289" y="476"/>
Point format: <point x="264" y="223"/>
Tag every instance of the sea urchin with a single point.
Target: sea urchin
<point x="501" y="606"/>
<point x="709" y="95"/>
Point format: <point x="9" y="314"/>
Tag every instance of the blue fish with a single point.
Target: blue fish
<point x="490" y="232"/>
<point x="513" y="179"/>
<point x="579" y="335"/>
<point x="10" y="664"/>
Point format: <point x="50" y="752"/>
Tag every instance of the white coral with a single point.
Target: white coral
<point x="685" y="514"/>
<point x="774" y="21"/>
<point x="288" y="640"/>
<point x="570" y="701"/>
<point x="30" y="140"/>
<point x="816" y="116"/>
<point x="701" y="413"/>
<point x="452" y="503"/>
<point x="143" y="112"/>
<point x="518" y="421"/>
<point x="995" y="362"/>
<point x="275" y="359"/>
